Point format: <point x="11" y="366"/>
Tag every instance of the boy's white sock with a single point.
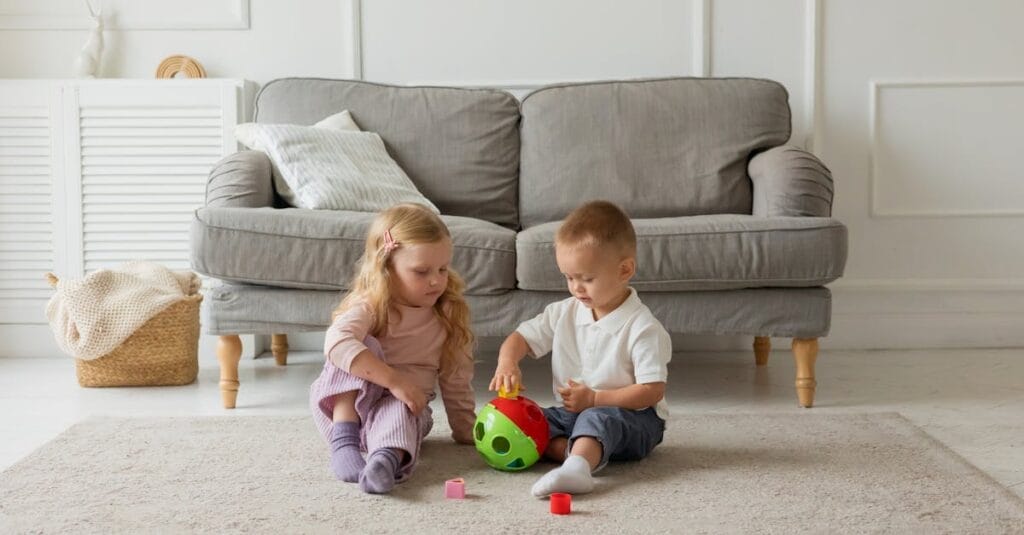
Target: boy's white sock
<point x="572" y="477"/>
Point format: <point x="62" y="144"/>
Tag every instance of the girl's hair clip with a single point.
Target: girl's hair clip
<point x="389" y="242"/>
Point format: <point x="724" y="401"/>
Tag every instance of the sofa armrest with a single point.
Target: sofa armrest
<point x="789" y="181"/>
<point x="242" y="179"/>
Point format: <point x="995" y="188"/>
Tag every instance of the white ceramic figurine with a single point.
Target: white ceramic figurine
<point x="88" y="63"/>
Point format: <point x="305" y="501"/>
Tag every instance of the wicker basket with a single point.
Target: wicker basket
<point x="164" y="351"/>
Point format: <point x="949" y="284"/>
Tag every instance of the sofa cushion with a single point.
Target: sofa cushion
<point x="659" y="148"/>
<point x="460" y="147"/>
<point x="712" y="252"/>
<point x="317" y="249"/>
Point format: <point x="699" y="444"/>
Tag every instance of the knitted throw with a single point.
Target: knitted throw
<point x="91" y="316"/>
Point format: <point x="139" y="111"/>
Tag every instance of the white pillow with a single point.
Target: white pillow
<point x="330" y="169"/>
<point x="340" y="121"/>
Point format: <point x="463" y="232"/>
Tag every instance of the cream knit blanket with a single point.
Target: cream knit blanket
<point x="91" y="316"/>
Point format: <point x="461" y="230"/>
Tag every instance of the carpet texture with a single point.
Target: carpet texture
<point x="714" y="473"/>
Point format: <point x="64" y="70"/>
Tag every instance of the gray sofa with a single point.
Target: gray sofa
<point x="733" y="225"/>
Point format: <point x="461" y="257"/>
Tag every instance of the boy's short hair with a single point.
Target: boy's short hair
<point x="598" y="223"/>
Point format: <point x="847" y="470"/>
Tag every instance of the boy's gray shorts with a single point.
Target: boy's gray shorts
<point x="624" y="434"/>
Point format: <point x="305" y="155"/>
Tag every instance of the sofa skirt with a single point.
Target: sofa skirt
<point x="780" y="312"/>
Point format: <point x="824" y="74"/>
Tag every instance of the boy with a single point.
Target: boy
<point x="609" y="354"/>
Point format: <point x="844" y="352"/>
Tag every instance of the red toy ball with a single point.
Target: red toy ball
<point x="528" y="416"/>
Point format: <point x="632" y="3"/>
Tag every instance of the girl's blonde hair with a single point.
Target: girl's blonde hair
<point x="408" y="223"/>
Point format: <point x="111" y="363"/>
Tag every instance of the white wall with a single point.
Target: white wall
<point x="284" y="38"/>
<point x="930" y="262"/>
<point x="912" y="104"/>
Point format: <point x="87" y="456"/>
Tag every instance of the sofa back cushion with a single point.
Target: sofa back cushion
<point x="658" y="148"/>
<point x="460" y="147"/>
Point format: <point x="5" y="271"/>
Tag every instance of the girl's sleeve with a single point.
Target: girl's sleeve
<point x="459" y="402"/>
<point x="344" y="338"/>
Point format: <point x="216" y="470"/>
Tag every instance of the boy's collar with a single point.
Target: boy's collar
<point x="615" y="319"/>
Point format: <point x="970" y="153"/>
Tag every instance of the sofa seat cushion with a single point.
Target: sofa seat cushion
<point x="319" y="249"/>
<point x="709" y="252"/>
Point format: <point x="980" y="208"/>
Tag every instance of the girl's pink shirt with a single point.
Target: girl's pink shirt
<point x="412" y="346"/>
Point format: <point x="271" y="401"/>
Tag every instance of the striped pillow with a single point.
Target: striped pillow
<point x="328" y="169"/>
<point x="339" y="121"/>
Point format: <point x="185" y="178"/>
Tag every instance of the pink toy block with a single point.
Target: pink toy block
<point x="455" y="489"/>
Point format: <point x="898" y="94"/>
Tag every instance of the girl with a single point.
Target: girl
<point x="402" y="328"/>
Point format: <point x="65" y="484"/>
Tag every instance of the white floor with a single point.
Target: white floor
<point x="971" y="400"/>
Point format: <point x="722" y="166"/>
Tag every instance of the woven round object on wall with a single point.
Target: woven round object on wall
<point x="172" y="65"/>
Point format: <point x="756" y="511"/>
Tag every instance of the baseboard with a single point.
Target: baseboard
<point x="37" y="341"/>
<point x="926" y="317"/>
<point x="28" y="341"/>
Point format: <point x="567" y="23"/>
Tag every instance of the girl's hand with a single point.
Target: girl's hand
<point x="507" y="376"/>
<point x="577" y="396"/>
<point x="410" y="394"/>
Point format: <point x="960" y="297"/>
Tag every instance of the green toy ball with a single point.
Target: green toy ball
<point x="510" y="433"/>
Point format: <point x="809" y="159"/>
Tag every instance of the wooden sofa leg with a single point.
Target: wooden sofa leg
<point x="762" y="347"/>
<point x="229" y="352"/>
<point x="805" y="351"/>
<point x="279" y="347"/>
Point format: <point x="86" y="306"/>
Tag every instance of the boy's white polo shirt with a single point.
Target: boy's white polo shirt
<point x="627" y="346"/>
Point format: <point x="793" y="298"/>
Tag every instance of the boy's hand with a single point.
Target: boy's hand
<point x="507" y="376"/>
<point x="577" y="396"/>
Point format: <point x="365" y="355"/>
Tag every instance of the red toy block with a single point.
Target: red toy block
<point x="561" y="503"/>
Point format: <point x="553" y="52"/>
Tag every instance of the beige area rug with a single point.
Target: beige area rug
<point x="714" y="473"/>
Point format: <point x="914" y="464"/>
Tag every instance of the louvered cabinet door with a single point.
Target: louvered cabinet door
<point x="31" y="201"/>
<point x="144" y="152"/>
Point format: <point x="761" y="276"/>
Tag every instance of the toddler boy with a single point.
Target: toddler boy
<point x="609" y="354"/>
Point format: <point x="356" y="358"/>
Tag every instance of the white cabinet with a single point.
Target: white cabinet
<point x="97" y="172"/>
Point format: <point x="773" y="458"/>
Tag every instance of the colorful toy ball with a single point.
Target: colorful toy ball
<point x="511" y="432"/>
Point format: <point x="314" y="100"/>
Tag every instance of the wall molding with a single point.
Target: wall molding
<point x="915" y="285"/>
<point x="130" y="15"/>
<point x="875" y="87"/>
<point x="355" y="32"/>
<point x="701" y="38"/>
<point x="488" y="84"/>
<point x="813" y="17"/>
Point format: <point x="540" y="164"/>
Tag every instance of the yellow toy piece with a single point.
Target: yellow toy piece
<point x="513" y="394"/>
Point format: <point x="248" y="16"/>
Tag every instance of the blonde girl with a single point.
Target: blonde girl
<point x="402" y="329"/>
